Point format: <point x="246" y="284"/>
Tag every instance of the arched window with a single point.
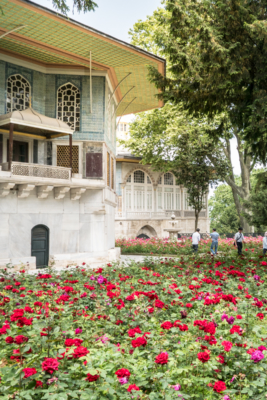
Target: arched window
<point x="68" y="105"/>
<point x="169" y="194"/>
<point x="139" y="192"/>
<point x="18" y="93"/>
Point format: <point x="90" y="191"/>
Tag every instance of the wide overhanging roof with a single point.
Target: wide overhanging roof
<point x="51" y="39"/>
<point x="31" y="122"/>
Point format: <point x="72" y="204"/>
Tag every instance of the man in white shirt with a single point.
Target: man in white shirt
<point x="239" y="239"/>
<point x="195" y="240"/>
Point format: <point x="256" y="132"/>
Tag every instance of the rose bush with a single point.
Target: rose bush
<point x="190" y="328"/>
<point x="183" y="246"/>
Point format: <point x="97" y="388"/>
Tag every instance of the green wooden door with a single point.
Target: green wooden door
<point x="40" y="245"/>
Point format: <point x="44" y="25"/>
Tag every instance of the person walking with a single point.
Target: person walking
<point x="265" y="243"/>
<point x="239" y="240"/>
<point x="195" y="240"/>
<point x="214" y="244"/>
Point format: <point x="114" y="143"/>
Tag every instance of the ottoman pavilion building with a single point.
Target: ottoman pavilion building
<point x="62" y="86"/>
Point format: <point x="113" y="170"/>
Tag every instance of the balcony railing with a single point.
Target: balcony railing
<point x="156" y="215"/>
<point x="37" y="170"/>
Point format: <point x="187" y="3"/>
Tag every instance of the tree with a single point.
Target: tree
<point x="218" y="63"/>
<point x="80" y="5"/>
<point x="257" y="201"/>
<point x="170" y="140"/>
<point x="187" y="84"/>
<point x="222" y="210"/>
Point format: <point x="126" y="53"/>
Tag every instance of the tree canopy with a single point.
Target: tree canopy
<point x="79" y="5"/>
<point x="218" y="62"/>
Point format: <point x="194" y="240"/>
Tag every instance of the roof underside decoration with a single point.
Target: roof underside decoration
<point x="52" y="40"/>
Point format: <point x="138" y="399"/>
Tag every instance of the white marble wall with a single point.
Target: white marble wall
<point x="75" y="227"/>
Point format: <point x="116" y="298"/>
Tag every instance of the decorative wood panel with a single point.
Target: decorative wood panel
<point x="94" y="164"/>
<point x="108" y="169"/>
<point x="63" y="157"/>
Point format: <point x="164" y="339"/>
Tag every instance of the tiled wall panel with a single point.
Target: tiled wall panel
<point x="44" y="99"/>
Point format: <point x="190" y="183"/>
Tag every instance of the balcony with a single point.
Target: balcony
<point x="37" y="170"/>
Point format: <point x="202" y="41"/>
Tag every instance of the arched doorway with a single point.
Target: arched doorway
<point x="142" y="236"/>
<point x="40" y="245"/>
<point x="148" y="231"/>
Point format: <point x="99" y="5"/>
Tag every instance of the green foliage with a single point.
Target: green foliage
<point x="80" y="5"/>
<point x="257" y="201"/>
<point x="218" y="62"/>
<point x="222" y="210"/>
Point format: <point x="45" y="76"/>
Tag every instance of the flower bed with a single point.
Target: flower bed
<point x="157" y="330"/>
<point x="184" y="246"/>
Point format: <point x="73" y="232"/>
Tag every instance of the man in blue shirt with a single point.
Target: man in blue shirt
<point x="214" y="244"/>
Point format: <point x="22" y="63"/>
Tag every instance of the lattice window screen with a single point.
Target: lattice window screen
<point x="18" y="93"/>
<point x="68" y="105"/>
<point x="63" y="157"/>
<point x="108" y="169"/>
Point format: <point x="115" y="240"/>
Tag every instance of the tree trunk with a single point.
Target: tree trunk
<point x="240" y="192"/>
<point x="196" y="219"/>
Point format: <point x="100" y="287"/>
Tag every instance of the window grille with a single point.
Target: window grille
<point x="125" y="127"/>
<point x="149" y="199"/>
<point x="186" y="203"/>
<point x="168" y="200"/>
<point x="148" y="179"/>
<point x="108" y="169"/>
<point x="63" y="157"/>
<point x="128" y="199"/>
<point x="112" y="173"/>
<point x="129" y="179"/>
<point x="139" y="177"/>
<point x="168" y="179"/>
<point x="159" y="198"/>
<point x="68" y="105"/>
<point x="160" y="180"/>
<point x="119" y="205"/>
<point x="18" y="93"/>
<point x="177" y="201"/>
<point x="139" y="199"/>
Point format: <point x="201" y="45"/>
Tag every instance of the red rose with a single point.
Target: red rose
<point x="38" y="383"/>
<point x="132" y="332"/>
<point x="219" y="386"/>
<point x="123" y="372"/>
<point x="9" y="339"/>
<point x="21" y="339"/>
<point x="227" y="345"/>
<point x="92" y="378"/>
<point x="138" y="342"/>
<point x="183" y="327"/>
<point x="119" y="322"/>
<point x="166" y="325"/>
<point x="260" y="315"/>
<point x="50" y="365"/>
<point x="80" y="352"/>
<point x="69" y="342"/>
<point x="203" y="357"/>
<point x="159" y="304"/>
<point x="29" y="372"/>
<point x="236" y="329"/>
<point x="150" y="310"/>
<point x="132" y="387"/>
<point x="162" y="358"/>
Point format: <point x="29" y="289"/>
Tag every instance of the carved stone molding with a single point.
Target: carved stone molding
<point x="5" y="188"/>
<point x="75" y="194"/>
<point x="43" y="191"/>
<point x="24" y="190"/>
<point x="60" y="192"/>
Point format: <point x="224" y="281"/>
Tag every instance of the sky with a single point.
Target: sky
<point x="116" y="18"/>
